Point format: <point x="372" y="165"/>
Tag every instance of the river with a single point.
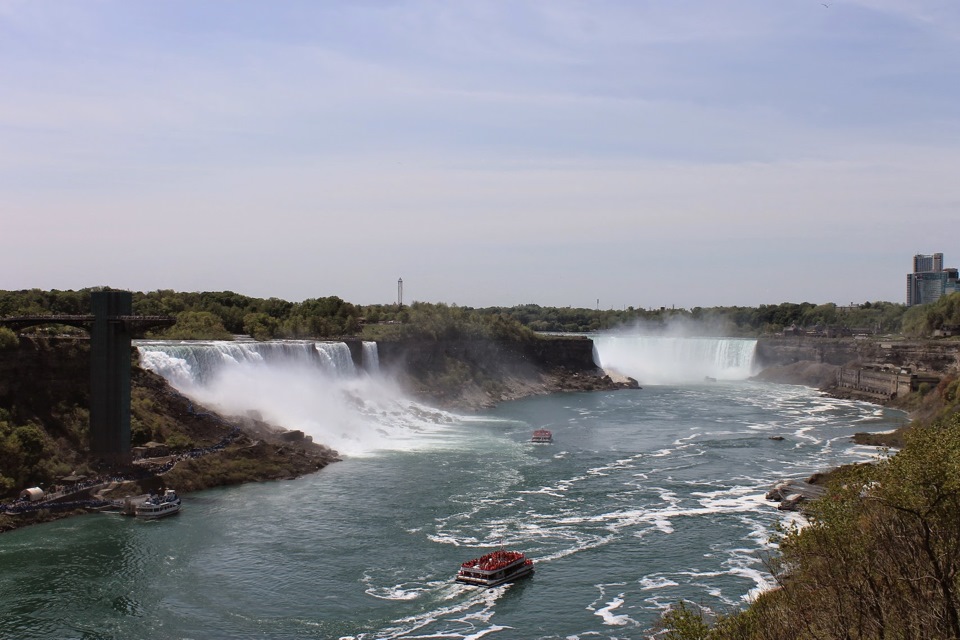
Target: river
<point x="645" y="498"/>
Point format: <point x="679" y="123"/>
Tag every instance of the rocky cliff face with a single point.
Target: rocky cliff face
<point x="481" y="373"/>
<point x="935" y="356"/>
<point x="574" y="353"/>
<point x="42" y="374"/>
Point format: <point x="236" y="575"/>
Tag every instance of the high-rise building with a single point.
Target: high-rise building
<point x="929" y="280"/>
<point x="925" y="264"/>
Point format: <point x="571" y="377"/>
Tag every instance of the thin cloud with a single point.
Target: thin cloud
<point x="540" y="151"/>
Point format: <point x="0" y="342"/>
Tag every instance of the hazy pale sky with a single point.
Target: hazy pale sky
<point x="644" y="153"/>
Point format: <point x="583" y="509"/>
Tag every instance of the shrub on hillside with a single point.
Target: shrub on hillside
<point x="8" y="339"/>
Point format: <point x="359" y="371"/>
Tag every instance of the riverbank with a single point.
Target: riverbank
<point x="199" y="449"/>
<point x="823" y="376"/>
<point x="816" y="361"/>
<point x="246" y="459"/>
<point x="922" y="407"/>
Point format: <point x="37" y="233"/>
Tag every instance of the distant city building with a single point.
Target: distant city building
<point x="929" y="280"/>
<point x="926" y="264"/>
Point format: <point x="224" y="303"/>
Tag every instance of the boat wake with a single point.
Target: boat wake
<point x="469" y="617"/>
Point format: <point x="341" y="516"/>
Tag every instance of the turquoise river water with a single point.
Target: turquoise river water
<point x="645" y="498"/>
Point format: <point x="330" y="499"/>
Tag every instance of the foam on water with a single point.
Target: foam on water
<point x="649" y="583"/>
<point x="606" y="612"/>
<point x="466" y="619"/>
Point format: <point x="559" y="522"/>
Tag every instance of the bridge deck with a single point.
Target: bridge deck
<point x="86" y="321"/>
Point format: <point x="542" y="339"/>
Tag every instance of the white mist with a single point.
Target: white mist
<point x="284" y="384"/>
<point x="676" y="360"/>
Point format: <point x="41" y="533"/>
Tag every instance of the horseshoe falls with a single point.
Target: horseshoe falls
<point x="645" y="498"/>
<point x="672" y="360"/>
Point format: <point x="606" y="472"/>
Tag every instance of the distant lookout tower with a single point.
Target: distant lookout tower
<point x="400" y="292"/>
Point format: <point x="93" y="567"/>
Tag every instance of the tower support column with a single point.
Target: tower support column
<point x="110" y="348"/>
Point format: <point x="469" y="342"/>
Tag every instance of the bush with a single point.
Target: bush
<point x="198" y="325"/>
<point x="140" y="434"/>
<point x="683" y="623"/>
<point x="260" y="326"/>
<point x="32" y="442"/>
<point x="949" y="389"/>
<point x="179" y="442"/>
<point x="8" y="339"/>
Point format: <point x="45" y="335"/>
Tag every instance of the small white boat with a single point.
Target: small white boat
<point x="495" y="569"/>
<point x="158" y="506"/>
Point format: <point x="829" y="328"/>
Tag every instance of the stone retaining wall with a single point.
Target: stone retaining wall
<point x="888" y="384"/>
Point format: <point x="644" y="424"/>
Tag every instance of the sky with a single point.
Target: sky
<point x="605" y="154"/>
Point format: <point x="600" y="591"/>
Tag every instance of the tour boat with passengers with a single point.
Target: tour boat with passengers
<point x="158" y="506"/>
<point x="542" y="436"/>
<point x="495" y="568"/>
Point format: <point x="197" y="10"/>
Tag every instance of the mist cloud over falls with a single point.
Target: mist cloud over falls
<point x="313" y="387"/>
<point x="667" y="359"/>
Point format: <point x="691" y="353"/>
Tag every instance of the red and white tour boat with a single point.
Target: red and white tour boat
<point x="495" y="569"/>
<point x="542" y="436"/>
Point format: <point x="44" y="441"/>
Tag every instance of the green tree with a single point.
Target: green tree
<point x="32" y="443"/>
<point x="915" y="322"/>
<point x="8" y="339"/>
<point x="921" y="321"/>
<point x="198" y="325"/>
<point x="260" y="326"/>
<point x="351" y="326"/>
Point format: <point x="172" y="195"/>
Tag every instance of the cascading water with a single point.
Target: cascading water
<point x="370" y="357"/>
<point x="673" y="360"/>
<point x="335" y="358"/>
<point x="311" y="386"/>
<point x="194" y="363"/>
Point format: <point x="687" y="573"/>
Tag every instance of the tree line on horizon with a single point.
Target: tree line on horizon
<point x="223" y="314"/>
